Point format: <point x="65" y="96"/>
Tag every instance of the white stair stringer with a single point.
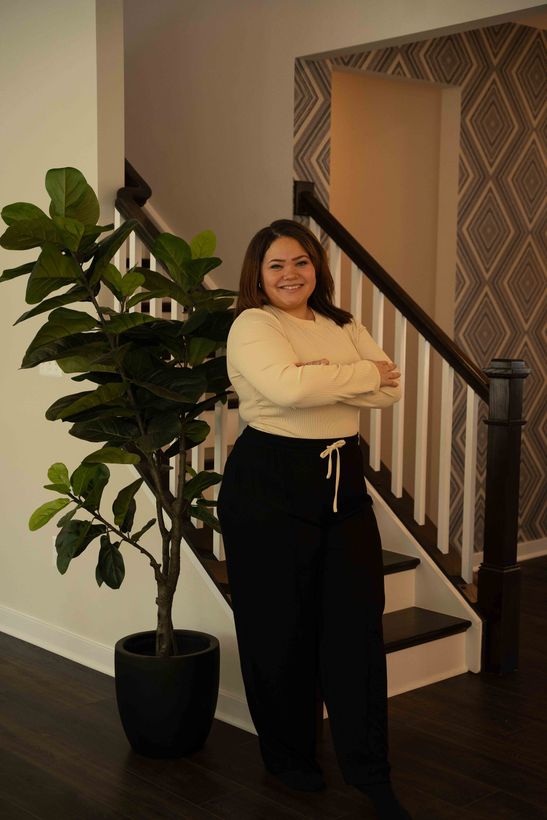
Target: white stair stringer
<point x="432" y="591"/>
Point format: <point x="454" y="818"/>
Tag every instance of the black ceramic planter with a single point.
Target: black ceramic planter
<point x="167" y="705"/>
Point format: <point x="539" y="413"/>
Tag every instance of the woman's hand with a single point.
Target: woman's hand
<point x="389" y="374"/>
<point x="316" y="361"/>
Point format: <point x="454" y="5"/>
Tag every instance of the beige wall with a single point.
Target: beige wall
<point x="210" y="90"/>
<point x="61" y="65"/>
<point x="387" y="138"/>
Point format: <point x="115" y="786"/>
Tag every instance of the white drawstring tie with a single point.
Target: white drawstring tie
<point x="328" y="452"/>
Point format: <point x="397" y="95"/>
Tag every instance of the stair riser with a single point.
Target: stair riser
<point x="400" y="590"/>
<point x="426" y="663"/>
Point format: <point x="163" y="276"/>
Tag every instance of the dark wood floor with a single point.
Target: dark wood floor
<point x="471" y="747"/>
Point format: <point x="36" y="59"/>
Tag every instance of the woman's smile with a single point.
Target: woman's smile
<point x="288" y="276"/>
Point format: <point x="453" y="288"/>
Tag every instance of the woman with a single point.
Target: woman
<point x="302" y="546"/>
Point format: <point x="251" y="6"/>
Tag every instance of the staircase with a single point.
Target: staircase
<point x="435" y="623"/>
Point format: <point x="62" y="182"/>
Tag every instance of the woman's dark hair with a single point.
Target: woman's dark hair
<point x="321" y="300"/>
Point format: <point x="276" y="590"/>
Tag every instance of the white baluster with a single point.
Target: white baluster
<point x="132" y="249"/>
<point x="335" y="264"/>
<point x="117" y="223"/>
<point x="356" y="292"/>
<point x="421" y="430"/>
<point x="221" y="442"/>
<point x="155" y="304"/>
<point x="315" y="229"/>
<point x="118" y="255"/>
<point x="469" y="485"/>
<point x="174" y="463"/>
<point x="197" y="461"/>
<point x="445" y="457"/>
<point x="399" y="409"/>
<point x="135" y="259"/>
<point x="375" y="415"/>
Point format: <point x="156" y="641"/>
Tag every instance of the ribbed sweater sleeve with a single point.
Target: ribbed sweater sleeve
<point x="258" y="348"/>
<point x="368" y="349"/>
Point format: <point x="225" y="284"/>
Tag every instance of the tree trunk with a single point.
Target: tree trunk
<point x="165" y="636"/>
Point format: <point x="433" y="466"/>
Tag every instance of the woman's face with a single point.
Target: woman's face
<point x="288" y="276"/>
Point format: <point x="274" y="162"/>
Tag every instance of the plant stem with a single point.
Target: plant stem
<point x="149" y="459"/>
<point x="124" y="537"/>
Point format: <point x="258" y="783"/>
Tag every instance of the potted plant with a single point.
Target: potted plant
<point x="150" y="380"/>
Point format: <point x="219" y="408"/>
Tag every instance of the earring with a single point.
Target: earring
<point x="260" y="286"/>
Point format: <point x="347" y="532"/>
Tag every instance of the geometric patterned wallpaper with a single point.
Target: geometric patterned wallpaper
<point x="500" y="305"/>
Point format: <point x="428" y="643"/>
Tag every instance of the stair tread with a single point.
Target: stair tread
<point x="398" y="562"/>
<point x="393" y="562"/>
<point x="415" y="625"/>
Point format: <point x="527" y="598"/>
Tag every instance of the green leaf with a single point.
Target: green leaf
<point x="126" y="321"/>
<point x="52" y="270"/>
<point x="57" y="488"/>
<point x="70" y="230"/>
<point x="45" y="512"/>
<point x="58" y="473"/>
<point x="162" y="286"/>
<point x="111" y="455"/>
<point x="73" y="538"/>
<point x="205" y="515"/>
<point x="88" y="482"/>
<point x="71" y="195"/>
<point x="67" y="516"/>
<point x="110" y="564"/>
<point x="203" y="244"/>
<point x="200" y="483"/>
<point x="13" y="273"/>
<point x="75" y="294"/>
<point x="30" y="233"/>
<point x="123" y="499"/>
<point x="86" y="357"/>
<point x="22" y="211"/>
<point x="208" y="294"/>
<point x="61" y="322"/>
<point x="215" y="373"/>
<point x="180" y="384"/>
<point x="197" y="430"/>
<point x="196" y="269"/>
<point x="108" y="247"/>
<point x="174" y="252"/>
<point x="140" y="533"/>
<point x="86" y="400"/>
<point x="199" y="349"/>
<point x="113" y="280"/>
<point x="113" y="430"/>
<point x="131" y="281"/>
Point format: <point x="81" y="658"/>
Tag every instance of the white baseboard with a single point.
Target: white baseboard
<point x="56" y="639"/>
<point x="230" y="708"/>
<point x="525" y="551"/>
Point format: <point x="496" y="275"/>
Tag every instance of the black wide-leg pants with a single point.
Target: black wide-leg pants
<point x="307" y="591"/>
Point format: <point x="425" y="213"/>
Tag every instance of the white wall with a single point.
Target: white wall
<point x="61" y="68"/>
<point x="209" y="90"/>
<point x="49" y="75"/>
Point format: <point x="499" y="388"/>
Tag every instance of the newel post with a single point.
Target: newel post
<point x="499" y="573"/>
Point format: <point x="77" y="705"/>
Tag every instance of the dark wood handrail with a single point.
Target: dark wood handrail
<point x="307" y="204"/>
<point x="129" y="202"/>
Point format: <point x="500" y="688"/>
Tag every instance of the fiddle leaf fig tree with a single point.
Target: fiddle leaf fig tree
<point x="148" y="379"/>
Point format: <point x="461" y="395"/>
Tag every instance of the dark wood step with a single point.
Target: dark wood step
<point x="397" y="562"/>
<point x="415" y="625"/>
<point x="393" y="562"/>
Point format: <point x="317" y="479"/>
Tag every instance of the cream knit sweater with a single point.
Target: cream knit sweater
<point x="311" y="401"/>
